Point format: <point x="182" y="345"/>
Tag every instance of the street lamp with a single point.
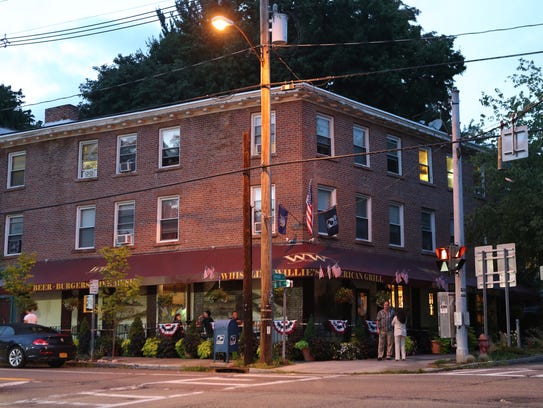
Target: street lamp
<point x="265" y="178"/>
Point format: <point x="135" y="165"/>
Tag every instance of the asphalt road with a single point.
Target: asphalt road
<point x="95" y="387"/>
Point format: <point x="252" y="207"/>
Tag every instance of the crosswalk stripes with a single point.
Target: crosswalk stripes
<point x="496" y="372"/>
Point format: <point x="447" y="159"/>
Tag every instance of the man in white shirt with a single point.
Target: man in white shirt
<point x="30" y="317"/>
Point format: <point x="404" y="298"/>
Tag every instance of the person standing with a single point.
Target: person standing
<point x="30" y="317"/>
<point x="207" y="326"/>
<point x="385" y="331"/>
<point x="400" y="331"/>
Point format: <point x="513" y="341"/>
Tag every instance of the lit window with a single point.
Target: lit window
<point x="88" y="159"/>
<point x="425" y="165"/>
<point x="431" y="304"/>
<point x="450" y="172"/>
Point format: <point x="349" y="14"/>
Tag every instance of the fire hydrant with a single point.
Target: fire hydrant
<point x="483" y="344"/>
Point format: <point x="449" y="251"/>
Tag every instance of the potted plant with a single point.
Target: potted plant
<point x="303" y="346"/>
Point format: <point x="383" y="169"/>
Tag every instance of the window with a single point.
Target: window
<point x="126" y="153"/>
<point x="124" y="222"/>
<point x="169" y="147"/>
<point x="168" y="219"/>
<point x="479" y="182"/>
<point x="428" y="230"/>
<point x="363" y="217"/>
<point x="14" y="234"/>
<point x="394" y="155"/>
<point x="425" y="165"/>
<point x="360" y="145"/>
<point x="324" y="135"/>
<point x="256" y="143"/>
<point x="256" y="206"/>
<point x="88" y="159"/>
<point x="451" y="229"/>
<point x="395" y="222"/>
<point x="326" y="197"/>
<point x="450" y="172"/>
<point x="16" y="169"/>
<point x="85" y="227"/>
<point x="431" y="304"/>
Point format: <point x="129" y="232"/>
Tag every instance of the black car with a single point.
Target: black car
<point x="21" y="343"/>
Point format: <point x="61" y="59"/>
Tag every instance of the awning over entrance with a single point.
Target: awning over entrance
<point x="295" y="261"/>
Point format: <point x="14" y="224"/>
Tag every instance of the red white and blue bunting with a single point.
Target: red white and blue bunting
<point x="288" y="326"/>
<point x="168" y="329"/>
<point x="339" y="326"/>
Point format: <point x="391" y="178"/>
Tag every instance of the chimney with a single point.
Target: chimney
<point x="64" y="113"/>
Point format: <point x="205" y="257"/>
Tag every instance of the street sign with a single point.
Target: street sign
<point x="279" y="284"/>
<point x="515" y="143"/>
<point x="507" y="264"/>
<point x="278" y="276"/>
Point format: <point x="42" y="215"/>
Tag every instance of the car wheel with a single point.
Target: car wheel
<point x="56" y="363"/>
<point x="16" y="358"/>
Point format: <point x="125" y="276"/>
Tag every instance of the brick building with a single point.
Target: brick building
<point x="168" y="183"/>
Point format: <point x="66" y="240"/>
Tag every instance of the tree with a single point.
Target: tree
<point x="513" y="209"/>
<point x="12" y="116"/>
<point x="191" y="60"/>
<point x="119" y="294"/>
<point x="16" y="282"/>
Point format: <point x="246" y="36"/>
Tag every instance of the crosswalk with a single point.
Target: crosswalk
<point x="497" y="372"/>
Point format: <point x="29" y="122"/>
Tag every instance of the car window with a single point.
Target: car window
<point x="6" y="331"/>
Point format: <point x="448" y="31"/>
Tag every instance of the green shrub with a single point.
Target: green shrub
<point x="136" y="334"/>
<point x="345" y="351"/>
<point x="166" y="347"/>
<point x="150" y="347"/>
<point x="322" y="349"/>
<point x="125" y="347"/>
<point x="180" y="348"/>
<point x="205" y="349"/>
<point x="409" y="346"/>
<point x="192" y="340"/>
<point x="84" y="336"/>
<point x="310" y="331"/>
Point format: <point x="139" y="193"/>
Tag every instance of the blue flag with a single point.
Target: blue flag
<point x="282" y="220"/>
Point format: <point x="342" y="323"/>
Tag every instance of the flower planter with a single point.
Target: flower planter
<point x="436" y="347"/>
<point x="307" y="354"/>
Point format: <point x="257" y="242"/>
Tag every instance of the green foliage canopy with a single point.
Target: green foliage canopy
<point x="369" y="50"/>
<point x="11" y="114"/>
<point x="16" y="281"/>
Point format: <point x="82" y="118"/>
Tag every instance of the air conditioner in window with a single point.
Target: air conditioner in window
<point x="14" y="247"/>
<point x="126" y="167"/>
<point x="258" y="148"/>
<point x="124" y="239"/>
<point x="257" y="227"/>
<point x="89" y="173"/>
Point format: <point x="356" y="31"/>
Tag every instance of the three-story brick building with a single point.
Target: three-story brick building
<point x="168" y="183"/>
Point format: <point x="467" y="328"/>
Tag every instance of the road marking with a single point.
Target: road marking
<point x="495" y="372"/>
<point x="13" y="383"/>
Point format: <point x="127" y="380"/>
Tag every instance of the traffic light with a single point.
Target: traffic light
<point x="451" y="258"/>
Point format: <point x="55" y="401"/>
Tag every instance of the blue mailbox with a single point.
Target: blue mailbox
<point x="225" y="338"/>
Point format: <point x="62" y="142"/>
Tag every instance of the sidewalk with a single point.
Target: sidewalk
<point x="413" y="364"/>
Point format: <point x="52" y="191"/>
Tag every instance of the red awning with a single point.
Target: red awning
<point x="300" y="260"/>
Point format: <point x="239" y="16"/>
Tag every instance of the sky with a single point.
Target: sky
<point x="49" y="73"/>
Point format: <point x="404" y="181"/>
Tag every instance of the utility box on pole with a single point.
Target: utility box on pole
<point x="445" y="302"/>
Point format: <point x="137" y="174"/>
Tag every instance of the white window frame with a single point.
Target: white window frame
<point x="79" y="226"/>
<point x="162" y="133"/>
<point x="160" y="219"/>
<point x="323" y="205"/>
<point x="256" y="131"/>
<point x="367" y="219"/>
<point x="427" y="165"/>
<point x="395" y="155"/>
<point x="9" y="233"/>
<point x="85" y="171"/>
<point x="124" y="231"/>
<point x="361" y="133"/>
<point x="431" y="230"/>
<point x="400" y="225"/>
<point x="256" y="209"/>
<point x="12" y="169"/>
<point x="126" y="165"/>
<point x="329" y="136"/>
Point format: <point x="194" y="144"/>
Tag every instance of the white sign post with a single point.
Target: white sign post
<point x="93" y="291"/>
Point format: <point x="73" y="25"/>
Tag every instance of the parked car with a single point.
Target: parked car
<point x="21" y="343"/>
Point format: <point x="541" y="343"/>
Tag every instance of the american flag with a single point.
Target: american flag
<point x="309" y="210"/>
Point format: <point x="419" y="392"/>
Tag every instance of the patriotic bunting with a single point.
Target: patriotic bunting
<point x="339" y="326"/>
<point x="168" y="329"/>
<point x="288" y="326"/>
